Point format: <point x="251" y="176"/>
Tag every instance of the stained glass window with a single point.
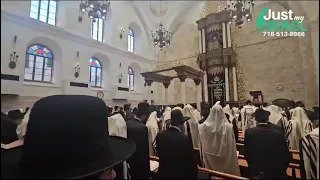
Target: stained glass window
<point x="44" y="10"/>
<point x="130" y="40"/>
<point x="130" y="79"/>
<point x="97" y="29"/>
<point x="39" y="64"/>
<point x="95" y="73"/>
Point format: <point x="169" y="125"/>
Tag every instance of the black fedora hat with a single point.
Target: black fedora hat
<point x="15" y="114"/>
<point x="67" y="137"/>
<point x="177" y="117"/>
<point x="261" y="114"/>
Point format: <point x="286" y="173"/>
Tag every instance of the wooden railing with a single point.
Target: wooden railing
<point x="215" y="174"/>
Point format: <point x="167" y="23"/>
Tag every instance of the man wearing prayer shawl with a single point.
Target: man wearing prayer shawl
<point x="217" y="143"/>
<point x="231" y="120"/>
<point x="266" y="149"/>
<point x="22" y="127"/>
<point x="152" y="125"/>
<point x="118" y="127"/>
<point x="309" y="155"/>
<point x="188" y="111"/>
<point x="298" y="127"/>
<point x="166" y="116"/>
<point x="247" y="119"/>
<point x="277" y="117"/>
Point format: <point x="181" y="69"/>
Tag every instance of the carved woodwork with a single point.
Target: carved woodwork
<point x="183" y="72"/>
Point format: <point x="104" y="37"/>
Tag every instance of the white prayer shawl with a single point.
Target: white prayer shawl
<point x="194" y="123"/>
<point x="166" y="116"/>
<point x="247" y="119"/>
<point x="275" y="114"/>
<point x="310" y="154"/>
<point x="217" y="143"/>
<point x="198" y="115"/>
<point x="118" y="127"/>
<point x="22" y="127"/>
<point x="152" y="125"/>
<point x="227" y="110"/>
<point x="298" y="127"/>
<point x="236" y="113"/>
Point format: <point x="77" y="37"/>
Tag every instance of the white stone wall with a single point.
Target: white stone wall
<point x="65" y="39"/>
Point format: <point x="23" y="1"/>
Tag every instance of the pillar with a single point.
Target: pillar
<point x="234" y="80"/>
<point x="183" y="92"/>
<point x="224" y="35"/>
<point x="226" y="78"/>
<point x="166" y="94"/>
<point x="205" y="87"/>
<point x="203" y="41"/>
<point x="198" y="91"/>
<point x="200" y="41"/>
<point x="228" y="35"/>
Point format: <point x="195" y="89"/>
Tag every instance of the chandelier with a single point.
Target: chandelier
<point x="238" y="10"/>
<point x="161" y="37"/>
<point x="95" y="9"/>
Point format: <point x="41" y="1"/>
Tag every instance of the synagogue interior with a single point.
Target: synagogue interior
<point x="107" y="89"/>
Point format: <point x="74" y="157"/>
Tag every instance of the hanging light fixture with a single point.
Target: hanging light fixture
<point x="239" y="11"/>
<point x="95" y="9"/>
<point x="161" y="37"/>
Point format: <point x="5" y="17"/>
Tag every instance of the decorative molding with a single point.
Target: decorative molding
<point x="61" y="32"/>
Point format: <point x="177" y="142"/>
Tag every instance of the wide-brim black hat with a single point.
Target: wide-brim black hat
<point x="177" y="117"/>
<point x="119" y="150"/>
<point x="67" y="137"/>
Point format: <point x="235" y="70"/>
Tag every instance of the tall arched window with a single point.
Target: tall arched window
<point x="130" y="79"/>
<point x="39" y="64"/>
<point x="95" y="73"/>
<point x="130" y="40"/>
<point x="44" y="10"/>
<point x="97" y="29"/>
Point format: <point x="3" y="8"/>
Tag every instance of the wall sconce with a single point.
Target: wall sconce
<point x="78" y="53"/>
<point x="120" y="78"/>
<point x="15" y="39"/>
<point x="121" y="32"/>
<point x="13" y="59"/>
<point x="77" y="71"/>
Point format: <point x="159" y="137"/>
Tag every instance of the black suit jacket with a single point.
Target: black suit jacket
<point x="266" y="150"/>
<point x="140" y="161"/>
<point x="8" y="129"/>
<point x="176" y="157"/>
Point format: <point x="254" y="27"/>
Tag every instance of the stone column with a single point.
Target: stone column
<point x="200" y="41"/>
<point x="234" y="80"/>
<point x="224" y="36"/>
<point x="203" y="41"/>
<point x="166" y="86"/>
<point x="226" y="80"/>
<point x="205" y="87"/>
<point x="198" y="91"/>
<point x="228" y="35"/>
<point x="149" y="83"/>
<point x="183" y="92"/>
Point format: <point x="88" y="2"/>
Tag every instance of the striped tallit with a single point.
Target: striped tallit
<point x="309" y="152"/>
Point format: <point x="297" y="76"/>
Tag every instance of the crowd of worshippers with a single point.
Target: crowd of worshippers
<point x="168" y="132"/>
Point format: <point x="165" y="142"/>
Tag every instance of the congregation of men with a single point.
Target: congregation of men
<point x="173" y="133"/>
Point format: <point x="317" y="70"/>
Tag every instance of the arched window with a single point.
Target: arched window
<point x="130" y="79"/>
<point x="44" y="10"/>
<point x="39" y="64"/>
<point x="97" y="29"/>
<point x="95" y="73"/>
<point x="130" y="40"/>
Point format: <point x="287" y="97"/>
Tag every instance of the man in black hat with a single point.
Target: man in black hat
<point x="266" y="149"/>
<point x="137" y="131"/>
<point x="175" y="150"/>
<point x="67" y="138"/>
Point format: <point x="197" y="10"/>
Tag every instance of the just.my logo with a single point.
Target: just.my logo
<point x="272" y="21"/>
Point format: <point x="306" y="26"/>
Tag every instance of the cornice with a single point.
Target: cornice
<point x="58" y="31"/>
